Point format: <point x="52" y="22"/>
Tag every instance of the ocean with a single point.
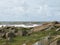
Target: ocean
<point x="21" y="24"/>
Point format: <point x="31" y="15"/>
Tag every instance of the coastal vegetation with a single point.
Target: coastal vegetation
<point x="21" y="35"/>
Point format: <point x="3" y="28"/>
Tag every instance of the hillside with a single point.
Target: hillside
<point x="11" y="35"/>
<point x="46" y="26"/>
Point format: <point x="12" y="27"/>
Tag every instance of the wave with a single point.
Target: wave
<point x="22" y="25"/>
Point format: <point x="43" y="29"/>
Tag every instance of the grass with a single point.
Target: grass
<point x="35" y="36"/>
<point x="19" y="40"/>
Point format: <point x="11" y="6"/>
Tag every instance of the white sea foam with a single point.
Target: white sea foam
<point x="21" y="25"/>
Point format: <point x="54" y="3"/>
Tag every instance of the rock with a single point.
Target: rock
<point x="24" y="44"/>
<point x="24" y="33"/>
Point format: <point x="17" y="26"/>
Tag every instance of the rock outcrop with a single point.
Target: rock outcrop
<point x="45" y="26"/>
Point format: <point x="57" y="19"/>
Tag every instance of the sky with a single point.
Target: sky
<point x="29" y="10"/>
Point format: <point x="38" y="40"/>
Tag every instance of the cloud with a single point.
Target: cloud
<point x="29" y="10"/>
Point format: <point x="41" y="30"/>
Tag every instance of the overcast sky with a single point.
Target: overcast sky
<point x="29" y="10"/>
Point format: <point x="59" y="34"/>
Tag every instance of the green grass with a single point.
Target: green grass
<point x="35" y="36"/>
<point x="19" y="40"/>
